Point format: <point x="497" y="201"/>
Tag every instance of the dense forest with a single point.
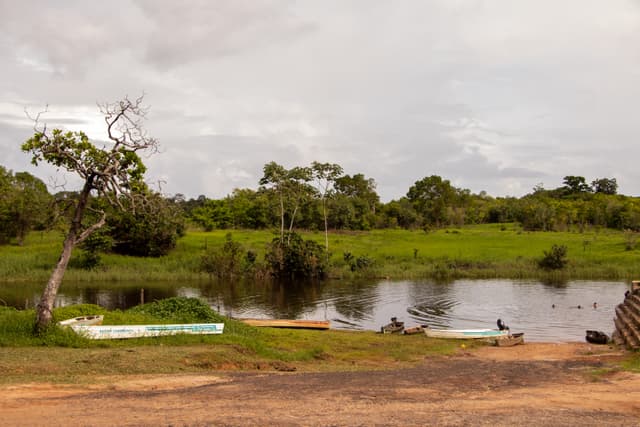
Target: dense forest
<point x="320" y="197"/>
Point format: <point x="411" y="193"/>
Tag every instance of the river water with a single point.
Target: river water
<point x="544" y="312"/>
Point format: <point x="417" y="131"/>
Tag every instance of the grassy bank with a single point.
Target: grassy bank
<point x="62" y="356"/>
<point x="486" y="251"/>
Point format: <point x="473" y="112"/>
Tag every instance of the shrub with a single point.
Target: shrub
<point x="359" y="263"/>
<point x="294" y="257"/>
<point x="225" y="262"/>
<point x="179" y="310"/>
<point x="555" y="259"/>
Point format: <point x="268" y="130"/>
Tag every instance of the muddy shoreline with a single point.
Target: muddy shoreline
<point x="538" y="384"/>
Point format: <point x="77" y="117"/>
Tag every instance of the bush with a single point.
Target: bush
<point x="293" y="257"/>
<point x="178" y="310"/>
<point x="360" y="263"/>
<point x="225" y="262"/>
<point x="555" y="259"/>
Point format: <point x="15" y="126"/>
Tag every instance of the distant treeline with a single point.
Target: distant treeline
<point x="351" y="203"/>
<point x="322" y="197"/>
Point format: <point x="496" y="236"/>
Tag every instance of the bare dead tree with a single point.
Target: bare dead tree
<point x="111" y="172"/>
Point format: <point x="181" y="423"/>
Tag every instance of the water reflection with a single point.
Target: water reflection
<point x="545" y="312"/>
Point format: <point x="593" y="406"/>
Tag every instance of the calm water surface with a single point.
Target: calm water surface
<point x="544" y="312"/>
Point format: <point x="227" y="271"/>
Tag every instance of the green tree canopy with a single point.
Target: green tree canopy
<point x="111" y="171"/>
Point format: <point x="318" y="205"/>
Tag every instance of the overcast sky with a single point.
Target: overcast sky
<point x="493" y="95"/>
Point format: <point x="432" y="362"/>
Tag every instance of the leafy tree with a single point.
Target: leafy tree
<point x="575" y="185"/>
<point x="31" y="203"/>
<point x="356" y="202"/>
<point x="605" y="186"/>
<point x="400" y="213"/>
<point x="361" y="188"/>
<point x="249" y="209"/>
<point x="291" y="187"/>
<point x="325" y="175"/>
<point x="431" y="196"/>
<point x="150" y="230"/>
<point x="6" y="194"/>
<point x="113" y="171"/>
<point x="213" y="214"/>
<point x="24" y="205"/>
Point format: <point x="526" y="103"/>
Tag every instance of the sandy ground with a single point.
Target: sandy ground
<point x="527" y="385"/>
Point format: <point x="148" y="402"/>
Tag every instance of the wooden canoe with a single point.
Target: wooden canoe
<point x="140" y="331"/>
<point x="94" y="319"/>
<point x="464" y="334"/>
<point x="413" y="330"/>
<point x="287" y="323"/>
<point x="510" y="340"/>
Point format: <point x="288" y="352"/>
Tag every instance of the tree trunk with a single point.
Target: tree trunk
<point x="293" y="217"/>
<point x="326" y="226"/>
<point x="281" y="219"/>
<point x="44" y="309"/>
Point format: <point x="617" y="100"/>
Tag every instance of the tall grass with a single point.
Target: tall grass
<point x="485" y="251"/>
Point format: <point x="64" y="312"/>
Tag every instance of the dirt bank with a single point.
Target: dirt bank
<point x="534" y="384"/>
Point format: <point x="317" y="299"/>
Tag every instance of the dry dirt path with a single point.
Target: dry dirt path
<point x="530" y="385"/>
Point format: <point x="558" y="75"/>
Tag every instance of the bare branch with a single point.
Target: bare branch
<point x="54" y="182"/>
<point x="36" y="119"/>
<point x="89" y="230"/>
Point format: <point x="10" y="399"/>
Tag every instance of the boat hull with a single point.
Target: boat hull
<point x="140" y="331"/>
<point x="94" y="319"/>
<point x="597" y="337"/>
<point x="413" y="330"/>
<point x="510" y="340"/>
<point x="287" y="323"/>
<point x="465" y="334"/>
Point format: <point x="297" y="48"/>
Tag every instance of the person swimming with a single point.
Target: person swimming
<point x="595" y="305"/>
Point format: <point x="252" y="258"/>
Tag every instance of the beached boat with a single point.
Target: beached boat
<point x="94" y="319"/>
<point x="413" y="330"/>
<point x="597" y="337"/>
<point x="463" y="334"/>
<point x="139" y="331"/>
<point x="287" y="323"/>
<point x="510" y="340"/>
<point x="393" y="327"/>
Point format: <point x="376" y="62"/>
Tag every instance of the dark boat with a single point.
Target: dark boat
<point x="597" y="337"/>
<point x="392" y="327"/>
<point x="510" y="340"/>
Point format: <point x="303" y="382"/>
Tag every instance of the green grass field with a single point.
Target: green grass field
<point x="485" y="251"/>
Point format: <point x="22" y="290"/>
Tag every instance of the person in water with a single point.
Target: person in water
<point x="595" y="305"/>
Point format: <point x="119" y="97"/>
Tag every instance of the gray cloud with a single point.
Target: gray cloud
<point x="495" y="96"/>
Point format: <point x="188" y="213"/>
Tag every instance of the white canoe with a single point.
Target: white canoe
<point x="94" y="319"/>
<point x="465" y="333"/>
<point x="139" y="331"/>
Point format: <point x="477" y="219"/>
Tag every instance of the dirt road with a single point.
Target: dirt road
<point x="530" y="385"/>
